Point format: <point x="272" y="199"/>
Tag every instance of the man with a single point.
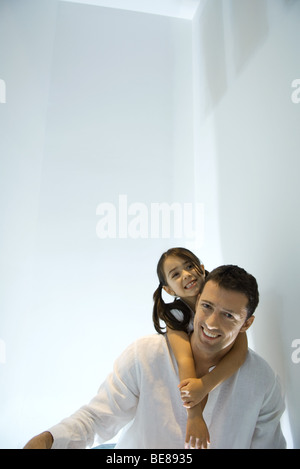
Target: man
<point x="141" y="394"/>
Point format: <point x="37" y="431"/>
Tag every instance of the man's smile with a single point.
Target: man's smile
<point x="208" y="334"/>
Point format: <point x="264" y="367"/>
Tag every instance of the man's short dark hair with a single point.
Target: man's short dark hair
<point x="232" y="277"/>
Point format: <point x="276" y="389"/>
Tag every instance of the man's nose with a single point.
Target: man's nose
<point x="212" y="321"/>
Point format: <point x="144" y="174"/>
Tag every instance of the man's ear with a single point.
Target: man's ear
<point x="247" y="324"/>
<point x="169" y="290"/>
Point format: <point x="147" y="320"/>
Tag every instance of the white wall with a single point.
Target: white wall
<point x="98" y="102"/>
<point x="246" y="58"/>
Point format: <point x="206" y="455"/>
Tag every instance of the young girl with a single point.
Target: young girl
<point x="182" y="275"/>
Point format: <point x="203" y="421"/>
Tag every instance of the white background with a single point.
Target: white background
<point x="171" y="101"/>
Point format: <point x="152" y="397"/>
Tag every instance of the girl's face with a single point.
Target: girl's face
<point x="182" y="278"/>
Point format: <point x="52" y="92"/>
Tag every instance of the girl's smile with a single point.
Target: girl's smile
<point x="191" y="284"/>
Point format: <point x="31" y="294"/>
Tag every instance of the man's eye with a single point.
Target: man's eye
<point x="205" y="306"/>
<point x="228" y="315"/>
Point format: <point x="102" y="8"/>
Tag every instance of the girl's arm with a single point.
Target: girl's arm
<point x="229" y="364"/>
<point x="197" y="435"/>
<point x="196" y="389"/>
<point x="181" y="347"/>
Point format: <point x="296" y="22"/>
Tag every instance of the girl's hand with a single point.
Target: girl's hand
<point x="197" y="435"/>
<point x="192" y="392"/>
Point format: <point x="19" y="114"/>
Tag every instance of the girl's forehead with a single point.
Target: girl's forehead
<point x="171" y="262"/>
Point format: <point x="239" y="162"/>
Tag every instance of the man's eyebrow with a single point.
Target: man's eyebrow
<point x="206" y="301"/>
<point x="223" y="309"/>
<point x="202" y="300"/>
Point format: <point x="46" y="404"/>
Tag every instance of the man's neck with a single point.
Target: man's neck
<point x="205" y="360"/>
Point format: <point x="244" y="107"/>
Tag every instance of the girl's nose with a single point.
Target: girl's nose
<point x="186" y="273"/>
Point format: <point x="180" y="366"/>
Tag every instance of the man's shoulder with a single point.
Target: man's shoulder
<point x="156" y="342"/>
<point x="255" y="359"/>
<point x="259" y="369"/>
<point x="262" y="382"/>
<point x="141" y="346"/>
<point x="147" y="352"/>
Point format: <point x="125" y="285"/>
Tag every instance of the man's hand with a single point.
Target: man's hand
<point x="42" y="441"/>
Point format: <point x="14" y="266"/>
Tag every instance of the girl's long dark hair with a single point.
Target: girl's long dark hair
<point x="162" y="310"/>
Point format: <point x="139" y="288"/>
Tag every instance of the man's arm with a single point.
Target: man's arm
<point x="42" y="441"/>
<point x="112" y="408"/>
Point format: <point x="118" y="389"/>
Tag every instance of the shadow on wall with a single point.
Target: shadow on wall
<point x="231" y="40"/>
<point x="249" y="58"/>
<point x="270" y="311"/>
<point x="246" y="38"/>
<point x="214" y="64"/>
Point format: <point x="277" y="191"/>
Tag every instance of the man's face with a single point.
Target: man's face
<point x="220" y="317"/>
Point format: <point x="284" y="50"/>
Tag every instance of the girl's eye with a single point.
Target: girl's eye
<point x="175" y="275"/>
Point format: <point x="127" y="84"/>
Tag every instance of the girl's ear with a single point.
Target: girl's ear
<point x="169" y="290"/>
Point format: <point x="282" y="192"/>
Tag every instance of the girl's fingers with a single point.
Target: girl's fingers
<point x="183" y="383"/>
<point x="196" y="443"/>
<point x="187" y="402"/>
